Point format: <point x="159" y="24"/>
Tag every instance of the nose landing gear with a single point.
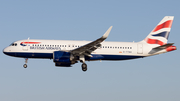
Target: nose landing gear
<point x="25" y="65"/>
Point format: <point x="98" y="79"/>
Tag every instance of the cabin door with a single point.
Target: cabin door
<point x="140" y="48"/>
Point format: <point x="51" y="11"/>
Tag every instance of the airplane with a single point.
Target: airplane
<point x="65" y="53"/>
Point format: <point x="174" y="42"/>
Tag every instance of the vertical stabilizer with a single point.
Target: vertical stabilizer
<point x="159" y="35"/>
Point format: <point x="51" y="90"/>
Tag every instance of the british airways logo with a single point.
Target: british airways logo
<point x="164" y="34"/>
<point x="44" y="48"/>
<point x="39" y="47"/>
<point x="25" y="43"/>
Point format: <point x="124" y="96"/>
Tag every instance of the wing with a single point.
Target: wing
<point x="90" y="47"/>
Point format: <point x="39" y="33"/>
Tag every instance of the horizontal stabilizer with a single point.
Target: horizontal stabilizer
<point x="164" y="46"/>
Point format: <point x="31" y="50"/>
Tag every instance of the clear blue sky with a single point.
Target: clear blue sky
<point x="153" y="78"/>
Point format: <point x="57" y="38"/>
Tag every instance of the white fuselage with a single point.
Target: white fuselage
<point x="109" y="50"/>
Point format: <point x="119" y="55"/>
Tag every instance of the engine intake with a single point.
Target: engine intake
<point x="61" y="56"/>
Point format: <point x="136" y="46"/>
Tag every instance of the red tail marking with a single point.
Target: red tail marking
<point x="154" y="41"/>
<point x="171" y="48"/>
<point x="166" y="24"/>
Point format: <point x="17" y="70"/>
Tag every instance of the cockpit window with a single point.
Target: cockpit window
<point x="13" y="44"/>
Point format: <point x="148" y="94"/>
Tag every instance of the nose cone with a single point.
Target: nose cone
<point x="8" y="51"/>
<point x="5" y="51"/>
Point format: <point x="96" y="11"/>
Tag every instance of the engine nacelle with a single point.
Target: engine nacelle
<point x="61" y="56"/>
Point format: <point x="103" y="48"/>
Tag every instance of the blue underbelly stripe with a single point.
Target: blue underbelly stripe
<point x="50" y="56"/>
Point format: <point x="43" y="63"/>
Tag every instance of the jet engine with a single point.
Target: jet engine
<point x="62" y="58"/>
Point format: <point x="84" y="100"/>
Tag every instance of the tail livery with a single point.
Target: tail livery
<point x="159" y="35"/>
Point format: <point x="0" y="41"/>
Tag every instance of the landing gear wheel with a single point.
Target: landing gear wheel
<point x="25" y="65"/>
<point x="84" y="67"/>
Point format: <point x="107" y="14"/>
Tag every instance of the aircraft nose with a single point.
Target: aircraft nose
<point x="5" y="50"/>
<point x="8" y="51"/>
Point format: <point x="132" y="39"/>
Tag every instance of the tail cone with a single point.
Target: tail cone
<point x="171" y="48"/>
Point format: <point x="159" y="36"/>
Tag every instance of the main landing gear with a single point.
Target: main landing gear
<point x="84" y="65"/>
<point x="25" y="65"/>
